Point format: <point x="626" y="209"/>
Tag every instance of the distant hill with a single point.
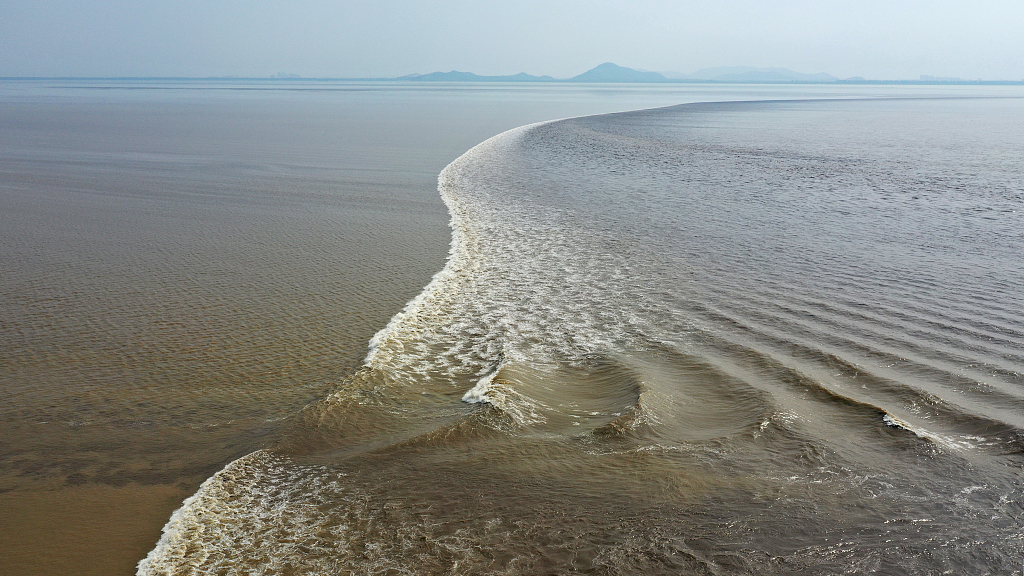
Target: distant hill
<point x="455" y="76"/>
<point x="609" y="72"/>
<point x="748" y="74"/>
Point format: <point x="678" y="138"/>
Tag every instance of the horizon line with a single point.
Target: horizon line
<point x="413" y="78"/>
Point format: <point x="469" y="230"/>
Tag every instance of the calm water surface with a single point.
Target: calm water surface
<point x="717" y="338"/>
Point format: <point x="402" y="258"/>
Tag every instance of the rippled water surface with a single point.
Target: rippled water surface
<point x="726" y="338"/>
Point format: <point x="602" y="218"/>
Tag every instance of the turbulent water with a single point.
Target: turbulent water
<point x="731" y="338"/>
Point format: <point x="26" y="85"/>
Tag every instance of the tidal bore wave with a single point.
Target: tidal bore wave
<point x="712" y="339"/>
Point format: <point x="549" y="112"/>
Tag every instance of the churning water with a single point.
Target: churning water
<point x="725" y="338"/>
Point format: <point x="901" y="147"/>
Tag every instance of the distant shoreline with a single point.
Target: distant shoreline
<point x="488" y="80"/>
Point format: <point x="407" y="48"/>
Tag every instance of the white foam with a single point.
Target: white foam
<point x="955" y="442"/>
<point x="478" y="394"/>
<point x="418" y="312"/>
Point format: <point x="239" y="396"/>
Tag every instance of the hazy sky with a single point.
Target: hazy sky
<point x="883" y="39"/>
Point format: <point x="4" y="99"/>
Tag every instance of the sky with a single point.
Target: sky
<point x="876" y="39"/>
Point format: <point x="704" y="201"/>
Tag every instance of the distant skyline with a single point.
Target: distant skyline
<point x="260" y="38"/>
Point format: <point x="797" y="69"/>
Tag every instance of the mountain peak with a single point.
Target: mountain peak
<point x="609" y="72"/>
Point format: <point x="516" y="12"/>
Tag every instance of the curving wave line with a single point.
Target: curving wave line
<point x="694" y="361"/>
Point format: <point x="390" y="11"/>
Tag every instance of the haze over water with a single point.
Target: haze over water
<point x="715" y="338"/>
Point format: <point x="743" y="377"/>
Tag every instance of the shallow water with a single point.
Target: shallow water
<point x="722" y="338"/>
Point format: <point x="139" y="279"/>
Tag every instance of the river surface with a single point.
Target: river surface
<point x="738" y="329"/>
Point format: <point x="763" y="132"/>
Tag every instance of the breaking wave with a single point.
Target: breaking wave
<point x="723" y="339"/>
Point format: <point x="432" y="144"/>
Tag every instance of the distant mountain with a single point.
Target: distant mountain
<point x="748" y="74"/>
<point x="609" y="72"/>
<point x="455" y="76"/>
